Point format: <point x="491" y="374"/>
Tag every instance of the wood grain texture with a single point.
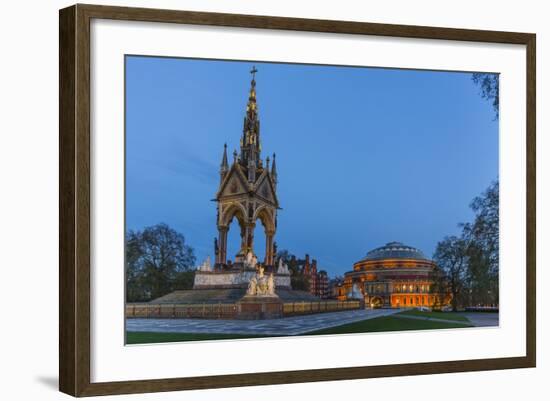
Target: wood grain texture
<point x="531" y="228"/>
<point x="74" y="198"/>
<point x="67" y="295"/>
<point x="301" y="24"/>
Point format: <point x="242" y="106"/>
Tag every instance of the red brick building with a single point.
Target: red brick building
<point x="318" y="280"/>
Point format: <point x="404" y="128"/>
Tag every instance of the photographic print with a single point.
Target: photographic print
<point x="257" y="187"/>
<point x="276" y="199"/>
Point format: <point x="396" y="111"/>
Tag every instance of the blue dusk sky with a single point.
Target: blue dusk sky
<point x="365" y="156"/>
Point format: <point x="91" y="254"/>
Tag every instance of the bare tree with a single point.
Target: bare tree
<point x="489" y="85"/>
<point x="157" y="262"/>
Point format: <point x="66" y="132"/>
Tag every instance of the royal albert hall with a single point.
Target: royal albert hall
<point x="397" y="276"/>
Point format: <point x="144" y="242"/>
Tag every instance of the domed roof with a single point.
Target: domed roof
<point x="395" y="250"/>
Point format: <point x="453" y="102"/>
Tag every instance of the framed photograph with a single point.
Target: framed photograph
<point x="250" y="200"/>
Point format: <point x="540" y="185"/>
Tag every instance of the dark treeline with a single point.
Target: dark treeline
<point x="470" y="261"/>
<point x="297" y="278"/>
<point x="158" y="261"/>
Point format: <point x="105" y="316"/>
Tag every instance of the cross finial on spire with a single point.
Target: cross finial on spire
<point x="253" y="71"/>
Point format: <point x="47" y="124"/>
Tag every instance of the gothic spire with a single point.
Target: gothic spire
<point x="224" y="166"/>
<point x="274" y="170"/>
<point x="250" y="141"/>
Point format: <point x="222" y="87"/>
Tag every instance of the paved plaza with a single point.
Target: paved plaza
<point x="481" y="319"/>
<point x="286" y="326"/>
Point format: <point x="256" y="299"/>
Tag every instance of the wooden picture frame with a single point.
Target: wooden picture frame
<point x="74" y="199"/>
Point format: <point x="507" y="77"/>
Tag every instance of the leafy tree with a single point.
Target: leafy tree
<point x="470" y="263"/>
<point x="489" y="85"/>
<point x="485" y="228"/>
<point x="184" y="280"/>
<point x="157" y="262"/>
<point x="299" y="282"/>
<point x="440" y="287"/>
<point x="483" y="250"/>
<point x="450" y="256"/>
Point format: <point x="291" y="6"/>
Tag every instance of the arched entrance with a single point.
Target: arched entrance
<point x="376" y="302"/>
<point x="265" y="216"/>
<point x="234" y="239"/>
<point x="231" y="212"/>
<point x="247" y="219"/>
<point x="259" y="241"/>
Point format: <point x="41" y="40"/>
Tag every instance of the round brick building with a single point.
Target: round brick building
<point x="395" y="275"/>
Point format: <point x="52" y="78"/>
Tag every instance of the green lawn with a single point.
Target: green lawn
<point x="144" y="337"/>
<point x="388" y="323"/>
<point x="437" y="315"/>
